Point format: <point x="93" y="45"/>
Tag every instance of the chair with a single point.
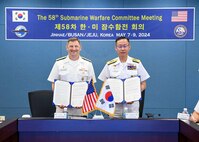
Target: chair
<point x="41" y="103"/>
<point x="141" y="103"/>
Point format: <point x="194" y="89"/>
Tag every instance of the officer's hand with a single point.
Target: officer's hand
<point x="130" y="102"/>
<point x="61" y="106"/>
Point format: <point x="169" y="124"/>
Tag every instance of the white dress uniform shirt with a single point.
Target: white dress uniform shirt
<point x="197" y="107"/>
<point x="72" y="71"/>
<point x="116" y="69"/>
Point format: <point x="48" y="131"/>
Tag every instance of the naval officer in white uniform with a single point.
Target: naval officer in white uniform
<point x="124" y="67"/>
<point x="72" y="68"/>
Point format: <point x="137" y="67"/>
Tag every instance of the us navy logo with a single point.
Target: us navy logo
<point x="180" y="31"/>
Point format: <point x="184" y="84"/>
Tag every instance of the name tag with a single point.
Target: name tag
<point x="60" y="115"/>
<point x="131" y="115"/>
<point x="183" y="116"/>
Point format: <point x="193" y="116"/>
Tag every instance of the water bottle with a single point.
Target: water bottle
<point x="65" y="111"/>
<point x="185" y="111"/>
<point x="125" y="110"/>
<point x="186" y="114"/>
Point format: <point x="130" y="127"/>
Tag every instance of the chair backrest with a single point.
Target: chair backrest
<point x="41" y="103"/>
<point x="141" y="103"/>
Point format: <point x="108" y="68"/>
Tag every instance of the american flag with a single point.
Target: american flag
<point x="179" y="16"/>
<point x="90" y="99"/>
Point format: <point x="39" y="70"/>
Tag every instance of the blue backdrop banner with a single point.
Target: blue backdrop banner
<point x="100" y="24"/>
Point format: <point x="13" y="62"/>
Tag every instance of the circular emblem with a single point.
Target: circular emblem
<point x="20" y="31"/>
<point x="180" y="31"/>
<point x="109" y="96"/>
<point x="20" y="15"/>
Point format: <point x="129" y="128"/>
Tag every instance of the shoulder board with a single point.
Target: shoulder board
<point x="61" y="58"/>
<point x="136" y="60"/>
<point x="112" y="61"/>
<point x="86" y="59"/>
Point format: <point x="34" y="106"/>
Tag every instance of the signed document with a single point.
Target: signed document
<point x="127" y="90"/>
<point x="66" y="93"/>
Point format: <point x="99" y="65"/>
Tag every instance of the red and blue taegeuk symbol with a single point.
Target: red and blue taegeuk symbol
<point x="20" y="15"/>
<point x="109" y="96"/>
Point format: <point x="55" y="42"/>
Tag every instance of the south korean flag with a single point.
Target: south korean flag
<point x="106" y="101"/>
<point x="19" y="16"/>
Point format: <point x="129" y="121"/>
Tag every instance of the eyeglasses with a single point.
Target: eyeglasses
<point x="122" y="46"/>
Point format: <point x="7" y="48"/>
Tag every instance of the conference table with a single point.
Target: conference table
<point x="9" y="131"/>
<point x="89" y="130"/>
